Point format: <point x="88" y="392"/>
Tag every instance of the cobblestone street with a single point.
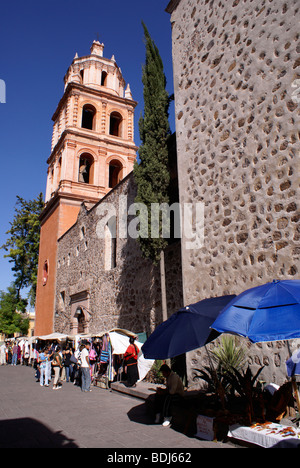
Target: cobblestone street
<point x="38" y="417"/>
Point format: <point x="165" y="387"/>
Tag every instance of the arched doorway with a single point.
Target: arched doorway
<point x="81" y="322"/>
<point x="80" y="314"/>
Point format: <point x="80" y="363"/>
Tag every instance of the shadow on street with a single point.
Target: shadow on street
<point x="29" y="433"/>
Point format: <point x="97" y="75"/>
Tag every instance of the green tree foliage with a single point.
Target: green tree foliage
<point x="23" y="244"/>
<point x="152" y="174"/>
<point x="10" y="320"/>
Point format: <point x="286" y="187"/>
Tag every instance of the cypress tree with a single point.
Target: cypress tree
<point x="152" y="174"/>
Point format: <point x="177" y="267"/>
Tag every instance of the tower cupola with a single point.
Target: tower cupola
<point x="96" y="71"/>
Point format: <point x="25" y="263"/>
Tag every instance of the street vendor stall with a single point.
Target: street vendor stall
<point x="114" y="344"/>
<point x="267" y="435"/>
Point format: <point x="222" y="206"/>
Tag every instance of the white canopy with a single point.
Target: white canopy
<point x="120" y="343"/>
<point x="52" y="336"/>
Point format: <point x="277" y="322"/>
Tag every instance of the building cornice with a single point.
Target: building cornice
<point x="105" y="95"/>
<point x="53" y="203"/>
<point x="97" y="138"/>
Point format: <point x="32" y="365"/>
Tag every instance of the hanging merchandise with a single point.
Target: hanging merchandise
<point x="105" y="349"/>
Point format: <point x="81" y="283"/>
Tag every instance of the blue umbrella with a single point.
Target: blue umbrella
<point x="270" y="312"/>
<point x="187" y="329"/>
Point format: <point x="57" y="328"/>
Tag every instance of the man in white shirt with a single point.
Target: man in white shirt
<point x="85" y="368"/>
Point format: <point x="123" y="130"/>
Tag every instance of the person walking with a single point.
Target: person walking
<point x="57" y="366"/>
<point x="43" y="359"/>
<point x="85" y="368"/>
<point x="14" y="361"/>
<point x="67" y="353"/>
<point x="49" y="364"/>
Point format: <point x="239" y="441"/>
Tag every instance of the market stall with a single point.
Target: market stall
<point x="114" y="344"/>
<point x="267" y="435"/>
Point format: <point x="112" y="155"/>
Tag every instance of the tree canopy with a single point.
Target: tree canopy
<point x="22" y="244"/>
<point x="11" y="308"/>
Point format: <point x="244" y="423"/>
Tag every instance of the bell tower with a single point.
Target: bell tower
<point x="92" y="150"/>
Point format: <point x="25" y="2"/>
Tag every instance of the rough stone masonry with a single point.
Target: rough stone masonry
<point x="236" y="72"/>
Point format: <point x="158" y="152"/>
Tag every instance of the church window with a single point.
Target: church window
<point x="62" y="299"/>
<point x="88" y="117"/>
<point x="115" y="173"/>
<point x="104" y="79"/>
<point x="45" y="272"/>
<point x="85" y="169"/>
<point x="111" y="244"/>
<point x="115" y="124"/>
<point x="58" y="171"/>
<point x="81" y="75"/>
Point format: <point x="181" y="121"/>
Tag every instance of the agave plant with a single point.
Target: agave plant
<point x="229" y="355"/>
<point x="244" y="384"/>
<point x="215" y="379"/>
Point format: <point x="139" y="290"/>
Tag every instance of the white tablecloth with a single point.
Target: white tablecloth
<point x="270" y="435"/>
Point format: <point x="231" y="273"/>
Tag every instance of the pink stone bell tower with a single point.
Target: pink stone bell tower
<point x="92" y="150"/>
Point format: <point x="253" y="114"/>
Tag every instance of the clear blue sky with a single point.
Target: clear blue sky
<point x="38" y="41"/>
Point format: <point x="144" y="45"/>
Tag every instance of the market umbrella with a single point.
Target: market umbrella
<point x="185" y="330"/>
<point x="270" y="312"/>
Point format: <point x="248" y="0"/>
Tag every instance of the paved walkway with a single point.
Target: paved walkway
<point x="38" y="417"/>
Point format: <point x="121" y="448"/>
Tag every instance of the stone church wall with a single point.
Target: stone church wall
<point x="236" y="72"/>
<point x="127" y="296"/>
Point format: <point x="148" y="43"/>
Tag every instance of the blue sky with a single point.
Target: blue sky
<point x="38" y="41"/>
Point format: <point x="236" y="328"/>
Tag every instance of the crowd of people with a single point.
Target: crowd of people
<point x="13" y="353"/>
<point x="58" y="363"/>
<point x="63" y="364"/>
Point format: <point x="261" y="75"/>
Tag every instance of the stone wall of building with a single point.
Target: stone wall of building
<point x="236" y="66"/>
<point x="126" y="296"/>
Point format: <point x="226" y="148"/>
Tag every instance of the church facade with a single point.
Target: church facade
<point x="102" y="280"/>
<point x="236" y="72"/>
<point x="92" y="150"/>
